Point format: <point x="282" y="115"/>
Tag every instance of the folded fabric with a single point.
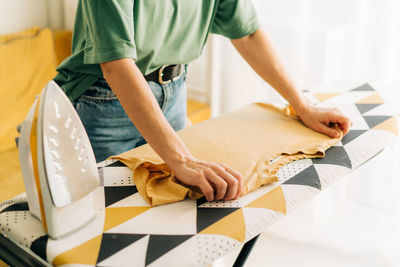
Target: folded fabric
<point x="255" y="140"/>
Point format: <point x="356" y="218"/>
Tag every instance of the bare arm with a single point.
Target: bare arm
<point x="139" y="103"/>
<point x="258" y="51"/>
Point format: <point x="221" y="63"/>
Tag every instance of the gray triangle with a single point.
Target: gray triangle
<point x="39" y="246"/>
<point x="335" y="155"/>
<point x="112" y="243"/>
<point x="208" y="216"/>
<point x="351" y="135"/>
<point x="364" y="87"/>
<point x="113" y="194"/>
<point x="308" y="176"/>
<point x="160" y="244"/>
<point x="373" y="121"/>
<point x="116" y="164"/>
<point x="363" y="108"/>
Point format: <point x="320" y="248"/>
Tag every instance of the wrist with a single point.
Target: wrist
<point x="178" y="159"/>
<point x="301" y="106"/>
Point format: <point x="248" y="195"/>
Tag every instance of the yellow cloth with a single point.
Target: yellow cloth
<point x="246" y="140"/>
<point x="27" y="63"/>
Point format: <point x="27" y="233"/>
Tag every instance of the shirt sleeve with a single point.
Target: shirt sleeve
<point x="109" y="30"/>
<point x="235" y="19"/>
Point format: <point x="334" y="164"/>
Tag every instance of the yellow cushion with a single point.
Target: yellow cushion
<point x="63" y="44"/>
<point x="27" y="63"/>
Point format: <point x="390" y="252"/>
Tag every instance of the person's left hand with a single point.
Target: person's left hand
<point x="320" y="118"/>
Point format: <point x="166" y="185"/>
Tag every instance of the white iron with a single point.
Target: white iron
<point x="58" y="164"/>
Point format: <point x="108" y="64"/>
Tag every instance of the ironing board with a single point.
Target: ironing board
<point x="128" y="232"/>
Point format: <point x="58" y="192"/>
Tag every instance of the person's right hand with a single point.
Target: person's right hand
<point x="216" y="180"/>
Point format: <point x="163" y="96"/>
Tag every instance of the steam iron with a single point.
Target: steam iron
<point x="58" y="164"/>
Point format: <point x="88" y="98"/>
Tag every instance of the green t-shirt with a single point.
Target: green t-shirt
<point x="153" y="32"/>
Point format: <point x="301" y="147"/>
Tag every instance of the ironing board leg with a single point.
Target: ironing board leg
<point x="16" y="256"/>
<point x="245" y="252"/>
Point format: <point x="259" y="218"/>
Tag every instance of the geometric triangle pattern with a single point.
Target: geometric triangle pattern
<point x="112" y="243"/>
<point x="273" y="200"/>
<point x="16" y="207"/>
<point x="335" y="155"/>
<point x="236" y="231"/>
<point x="39" y="246"/>
<point x="307" y="177"/>
<point x="114" y="194"/>
<point x="85" y="253"/>
<point x="389" y="125"/>
<point x="116" y="163"/>
<point x="351" y="135"/>
<point x="321" y="97"/>
<point x="161" y="244"/>
<point x="127" y="255"/>
<point x="363" y="108"/>
<point x="364" y="87"/>
<point x="118" y="215"/>
<point x="208" y="216"/>
<point x="373" y="121"/>
<point x="371" y="99"/>
<point x="128" y="232"/>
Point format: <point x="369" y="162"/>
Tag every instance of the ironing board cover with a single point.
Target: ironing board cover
<point x="128" y="232"/>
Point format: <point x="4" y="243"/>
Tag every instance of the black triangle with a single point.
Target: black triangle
<point x="17" y="207"/>
<point x="116" y="164"/>
<point x="308" y="176"/>
<point x="351" y="135"/>
<point x="372" y="121"/>
<point x="116" y="193"/>
<point x="39" y="246"/>
<point x="363" y="108"/>
<point x="201" y="201"/>
<point x="365" y="87"/>
<point x="112" y="243"/>
<point x="208" y="216"/>
<point x="335" y="155"/>
<point x="161" y="244"/>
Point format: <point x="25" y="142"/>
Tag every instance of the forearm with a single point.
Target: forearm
<point x="258" y="51"/>
<point x="137" y="99"/>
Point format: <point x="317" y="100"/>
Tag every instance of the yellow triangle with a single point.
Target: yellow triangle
<point x="372" y="99"/>
<point x="324" y="96"/>
<point x="118" y="215"/>
<point x="389" y="125"/>
<point x="85" y="253"/>
<point x="273" y="200"/>
<point x="232" y="226"/>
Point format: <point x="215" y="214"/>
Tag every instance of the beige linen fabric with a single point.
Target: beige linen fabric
<point x="255" y="140"/>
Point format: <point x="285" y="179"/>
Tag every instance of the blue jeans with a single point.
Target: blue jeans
<point x="109" y="128"/>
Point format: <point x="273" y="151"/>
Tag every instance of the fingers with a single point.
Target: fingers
<point x="219" y="184"/>
<point x="217" y="181"/>
<point x="226" y="183"/>
<point x="343" y="122"/>
<point x="207" y="189"/>
<point x="322" y="128"/>
<point x="237" y="176"/>
<point x="231" y="181"/>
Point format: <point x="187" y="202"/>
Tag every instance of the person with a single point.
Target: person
<point x="126" y="78"/>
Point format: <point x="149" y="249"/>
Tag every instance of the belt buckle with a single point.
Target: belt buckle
<point x="160" y="75"/>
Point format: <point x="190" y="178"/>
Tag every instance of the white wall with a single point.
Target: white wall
<point x="69" y="13"/>
<point x="320" y="42"/>
<point x="17" y="15"/>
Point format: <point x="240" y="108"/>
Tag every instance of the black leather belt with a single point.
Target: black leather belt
<point x="166" y="74"/>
